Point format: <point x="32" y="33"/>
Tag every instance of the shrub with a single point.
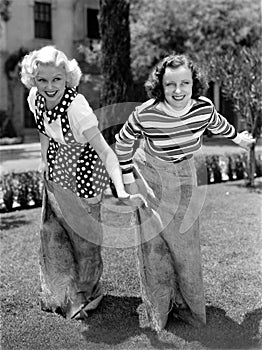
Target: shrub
<point x="6" y="126"/>
<point x="218" y="168"/>
<point x="25" y="189"/>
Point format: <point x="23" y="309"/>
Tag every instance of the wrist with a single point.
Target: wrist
<point x="123" y="194"/>
<point x="237" y="139"/>
<point x="128" y="178"/>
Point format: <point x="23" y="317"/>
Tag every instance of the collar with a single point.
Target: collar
<point x="176" y="113"/>
<point x="59" y="109"/>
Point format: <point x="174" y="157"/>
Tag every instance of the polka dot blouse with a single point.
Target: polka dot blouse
<point x="74" y="165"/>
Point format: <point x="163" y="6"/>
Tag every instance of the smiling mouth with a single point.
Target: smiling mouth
<point x="50" y="94"/>
<point x="178" y="98"/>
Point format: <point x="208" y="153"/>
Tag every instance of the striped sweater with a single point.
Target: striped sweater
<point x="168" y="137"/>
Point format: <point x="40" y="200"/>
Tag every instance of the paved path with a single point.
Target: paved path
<point x="26" y="156"/>
<point x="19" y="157"/>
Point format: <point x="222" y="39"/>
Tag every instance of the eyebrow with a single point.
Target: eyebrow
<point x="172" y="81"/>
<point x="41" y="76"/>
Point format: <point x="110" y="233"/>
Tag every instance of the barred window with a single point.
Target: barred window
<point x="43" y="20"/>
<point x="92" y="24"/>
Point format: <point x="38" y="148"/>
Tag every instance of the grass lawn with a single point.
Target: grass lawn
<point x="231" y="249"/>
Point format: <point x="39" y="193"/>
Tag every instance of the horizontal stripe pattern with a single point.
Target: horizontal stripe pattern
<point x="167" y="137"/>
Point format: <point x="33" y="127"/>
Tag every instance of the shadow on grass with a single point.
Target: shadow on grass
<point x="13" y="221"/>
<point x="116" y="320"/>
<point x="221" y="332"/>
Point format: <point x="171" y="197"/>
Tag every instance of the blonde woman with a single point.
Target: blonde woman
<point x="76" y="162"/>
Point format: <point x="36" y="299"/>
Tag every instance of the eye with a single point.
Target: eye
<point x="57" y="79"/>
<point x="40" y="80"/>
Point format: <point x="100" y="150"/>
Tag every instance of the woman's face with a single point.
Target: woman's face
<point x="51" y="83"/>
<point x="177" y="85"/>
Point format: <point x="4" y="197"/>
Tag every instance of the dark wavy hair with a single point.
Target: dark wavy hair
<point x="154" y="84"/>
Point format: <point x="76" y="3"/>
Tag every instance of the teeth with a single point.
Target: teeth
<point x="50" y="94"/>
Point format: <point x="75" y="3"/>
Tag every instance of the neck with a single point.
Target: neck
<point x="50" y="106"/>
<point x="168" y="106"/>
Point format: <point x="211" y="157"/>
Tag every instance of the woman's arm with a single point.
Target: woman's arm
<point x="109" y="158"/>
<point x="124" y="146"/>
<point x="44" y="142"/>
<point x="219" y="125"/>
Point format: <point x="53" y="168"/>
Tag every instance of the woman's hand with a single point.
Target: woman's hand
<point x="131" y="196"/>
<point x="132" y="188"/>
<point x="43" y="169"/>
<point x="245" y="140"/>
<point x="133" y="200"/>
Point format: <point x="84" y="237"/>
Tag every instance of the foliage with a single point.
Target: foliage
<point x="6" y="125"/>
<point x="202" y="28"/>
<point x="23" y="188"/>
<point x="5" y="13"/>
<point x="91" y="50"/>
<point x="11" y="63"/>
<point x="218" y="168"/>
<point x="11" y="69"/>
<point x="241" y="77"/>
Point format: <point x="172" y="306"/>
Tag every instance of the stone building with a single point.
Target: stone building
<point x="32" y="24"/>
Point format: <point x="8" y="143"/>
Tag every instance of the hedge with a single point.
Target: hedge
<point x="24" y="190"/>
<point x="21" y="190"/>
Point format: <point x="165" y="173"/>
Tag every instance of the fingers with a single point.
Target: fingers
<point x="135" y="200"/>
<point x="246" y="136"/>
<point x="140" y="197"/>
<point x="247" y="140"/>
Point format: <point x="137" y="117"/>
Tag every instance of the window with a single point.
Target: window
<point x="92" y="24"/>
<point x="42" y="12"/>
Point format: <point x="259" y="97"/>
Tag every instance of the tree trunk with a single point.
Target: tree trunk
<point x="255" y="131"/>
<point x="9" y="124"/>
<point x="252" y="167"/>
<point x="115" y="61"/>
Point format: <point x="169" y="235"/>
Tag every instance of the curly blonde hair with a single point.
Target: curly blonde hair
<point x="48" y="55"/>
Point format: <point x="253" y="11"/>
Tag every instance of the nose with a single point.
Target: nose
<point x="177" y="89"/>
<point x="49" y="85"/>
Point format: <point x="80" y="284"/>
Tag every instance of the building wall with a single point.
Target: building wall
<point x="68" y="28"/>
<point x="20" y="27"/>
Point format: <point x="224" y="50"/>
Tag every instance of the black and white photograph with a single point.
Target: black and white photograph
<point x="131" y="174"/>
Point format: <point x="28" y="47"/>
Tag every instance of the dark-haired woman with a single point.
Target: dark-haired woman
<point x="171" y="124"/>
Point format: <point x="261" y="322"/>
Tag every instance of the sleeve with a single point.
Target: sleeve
<point x="81" y="117"/>
<point x="31" y="99"/>
<point x="219" y="125"/>
<point x="124" y="146"/>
